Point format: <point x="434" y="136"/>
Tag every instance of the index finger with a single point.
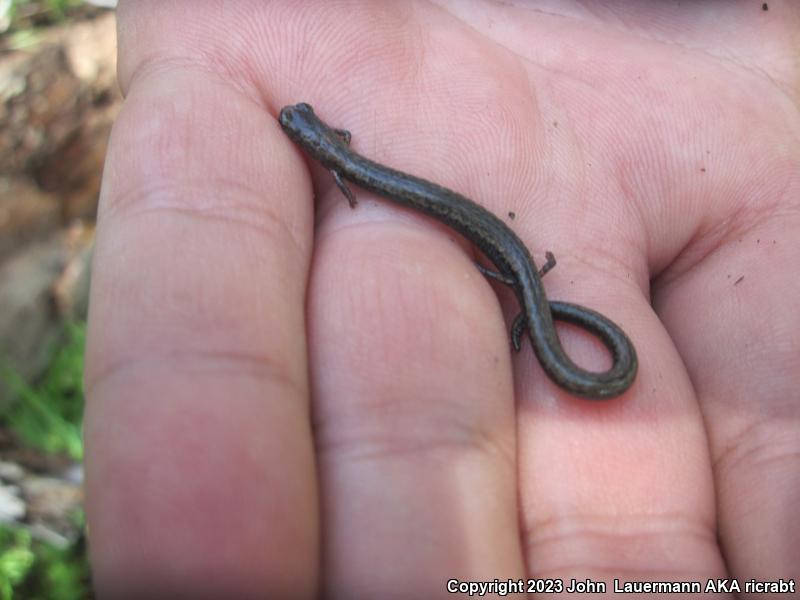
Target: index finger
<point x="200" y="465"/>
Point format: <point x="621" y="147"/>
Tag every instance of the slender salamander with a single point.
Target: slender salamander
<point x="515" y="266"/>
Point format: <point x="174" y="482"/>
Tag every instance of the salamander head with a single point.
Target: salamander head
<point x="302" y="125"/>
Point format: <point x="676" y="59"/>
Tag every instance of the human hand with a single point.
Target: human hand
<point x="278" y="405"/>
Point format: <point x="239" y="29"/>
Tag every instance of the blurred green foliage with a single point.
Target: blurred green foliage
<point x="39" y="12"/>
<point x="20" y="18"/>
<point x="16" y="559"/>
<point x="34" y="570"/>
<point x="46" y="416"/>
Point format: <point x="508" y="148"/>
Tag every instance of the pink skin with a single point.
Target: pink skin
<point x="288" y="398"/>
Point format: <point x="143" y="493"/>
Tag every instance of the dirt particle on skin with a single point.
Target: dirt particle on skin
<point x="738" y="281"/>
<point x="512" y="215"/>
<point x="555" y="123"/>
<point x="702" y="169"/>
<point x="765" y="7"/>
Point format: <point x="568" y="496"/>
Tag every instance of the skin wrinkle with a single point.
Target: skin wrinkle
<point x="206" y="65"/>
<point x="746" y="220"/>
<point x="640" y="218"/>
<point x="463" y="434"/>
<point x="255" y="366"/>
<point x="381" y="445"/>
<point x="707" y="50"/>
<point x="598" y="25"/>
<point x="747" y="216"/>
<point x="150" y="67"/>
<point x="753" y="446"/>
<point x="546" y="537"/>
<point x="241" y="214"/>
<point x="597" y="568"/>
<point x="556" y="528"/>
<point x="722" y="60"/>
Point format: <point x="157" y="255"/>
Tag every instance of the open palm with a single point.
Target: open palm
<point x="287" y="396"/>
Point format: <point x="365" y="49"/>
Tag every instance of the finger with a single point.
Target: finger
<point x="617" y="489"/>
<point x="200" y="464"/>
<point x="414" y="405"/>
<point x="414" y="412"/>
<point x="741" y="343"/>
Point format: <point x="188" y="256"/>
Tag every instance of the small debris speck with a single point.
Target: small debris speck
<point x="738" y="281"/>
<point x="512" y="215"/>
<point x="702" y="169"/>
<point x="765" y="6"/>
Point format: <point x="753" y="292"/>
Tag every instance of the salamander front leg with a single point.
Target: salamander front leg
<point x="344" y="134"/>
<point x="351" y="199"/>
<point x="337" y="177"/>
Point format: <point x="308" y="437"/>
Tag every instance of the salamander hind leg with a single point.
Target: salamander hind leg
<point x="518" y="328"/>
<point x="547" y="266"/>
<point x="495" y="275"/>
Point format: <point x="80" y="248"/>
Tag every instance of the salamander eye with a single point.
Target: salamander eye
<point x="287" y="115"/>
